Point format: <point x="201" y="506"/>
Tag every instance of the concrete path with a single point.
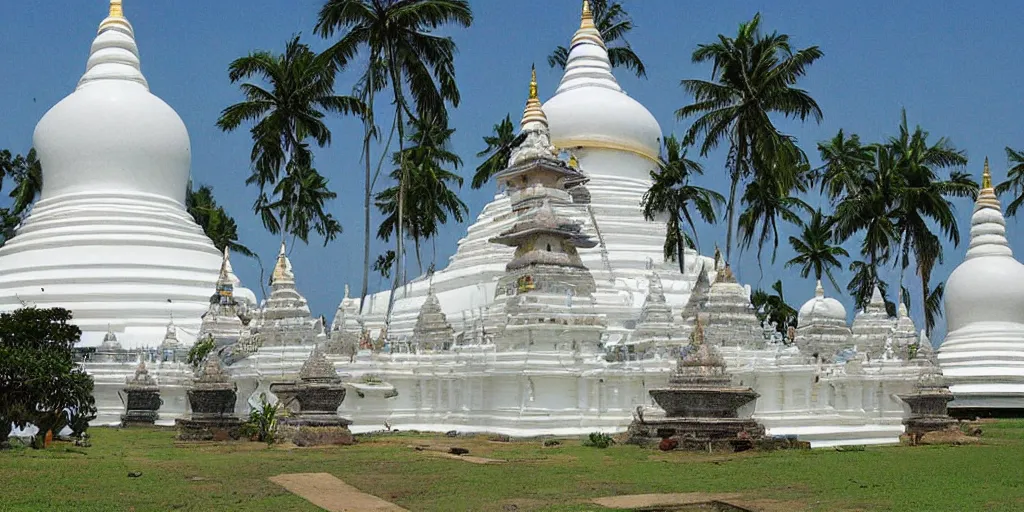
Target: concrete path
<point x="329" y="493"/>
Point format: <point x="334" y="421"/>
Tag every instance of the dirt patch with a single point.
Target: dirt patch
<point x="329" y="493"/>
<point x="770" y="505"/>
<point x="661" y="500"/>
<point x="444" y="451"/>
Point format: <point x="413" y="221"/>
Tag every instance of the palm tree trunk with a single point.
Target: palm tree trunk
<point x="731" y="209"/>
<point x="366" y="199"/>
<point x="680" y="244"/>
<point x="419" y="259"/>
<point x="396" y="87"/>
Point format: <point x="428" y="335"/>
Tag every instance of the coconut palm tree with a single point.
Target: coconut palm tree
<point x="404" y="55"/>
<point x="754" y="77"/>
<point x="672" y="194"/>
<point x="845" y="162"/>
<point x="300" y="202"/>
<point x="498" y="151"/>
<point x="431" y="199"/>
<point x="1014" y="181"/>
<point x="772" y="308"/>
<point x="285" y="112"/>
<point x="214" y="219"/>
<point x="612" y="20"/>
<point x="816" y="249"/>
<point x="924" y="200"/>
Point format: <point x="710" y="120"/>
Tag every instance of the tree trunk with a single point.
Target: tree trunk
<point x="419" y="259"/>
<point x="368" y="125"/>
<point x="680" y="245"/>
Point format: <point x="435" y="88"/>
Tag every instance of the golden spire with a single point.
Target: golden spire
<point x="116" y="10"/>
<point x="986" y="176"/>
<point x="587" y="18"/>
<point x="533" y="112"/>
<point x="533" y="82"/>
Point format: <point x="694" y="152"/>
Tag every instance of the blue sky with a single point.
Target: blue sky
<point x="954" y="66"/>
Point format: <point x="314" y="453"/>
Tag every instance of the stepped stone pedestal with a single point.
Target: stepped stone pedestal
<point x="928" y="407"/>
<point x="701" y="405"/>
<point x="142" y="399"/>
<point x="318" y="393"/>
<point x="212" y="401"/>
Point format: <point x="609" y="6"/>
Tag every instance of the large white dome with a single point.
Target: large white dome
<point x="112" y="132"/>
<point x="589" y="109"/>
<point x="989" y="285"/>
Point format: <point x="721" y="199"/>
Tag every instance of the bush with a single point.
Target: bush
<point x="40" y="384"/>
<point x="262" y="424"/>
<point x="598" y="440"/>
<point x="200" y="350"/>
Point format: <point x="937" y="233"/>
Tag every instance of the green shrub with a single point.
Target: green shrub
<point x="598" y="440"/>
<point x="262" y="424"/>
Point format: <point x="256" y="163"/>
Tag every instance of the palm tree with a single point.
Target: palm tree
<point x="406" y="56"/>
<point x="431" y="200"/>
<point x="845" y="162"/>
<point x="772" y="308"/>
<point x="214" y="219"/>
<point x="284" y="115"/>
<point x="753" y="76"/>
<point x="923" y="200"/>
<point x="614" y="23"/>
<point x="816" y="250"/>
<point x="301" y="203"/>
<point x="1014" y="181"/>
<point x="27" y="173"/>
<point x="498" y="151"/>
<point x="770" y="196"/>
<point x="672" y="194"/>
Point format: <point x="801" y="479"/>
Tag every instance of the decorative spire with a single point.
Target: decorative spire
<point x="986" y="176"/>
<point x="588" y="31"/>
<point x="225" y="268"/>
<point x="587" y="18"/>
<point x="114" y="55"/>
<point x="587" y="64"/>
<point x="988" y="227"/>
<point x="281" y="270"/>
<point x="533" y="112"/>
<point x="819" y="291"/>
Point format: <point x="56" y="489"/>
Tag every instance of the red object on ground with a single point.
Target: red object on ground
<point x="668" y="444"/>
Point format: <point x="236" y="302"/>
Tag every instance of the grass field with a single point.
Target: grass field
<point x="233" y="476"/>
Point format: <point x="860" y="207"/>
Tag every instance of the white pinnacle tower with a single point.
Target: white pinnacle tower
<point x="109" y="238"/>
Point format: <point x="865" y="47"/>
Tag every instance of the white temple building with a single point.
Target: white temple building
<point x="109" y="237"/>
<point x="562" y="330"/>
<point x="983" y="353"/>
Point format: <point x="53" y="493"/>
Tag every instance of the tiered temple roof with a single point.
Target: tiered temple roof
<point x="285" y="317"/>
<point x="432" y="332"/>
<point x="732" y="320"/>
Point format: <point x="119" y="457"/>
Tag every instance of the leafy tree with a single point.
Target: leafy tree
<point x="770" y="196"/>
<point x="754" y="76"/>
<point x="199" y="350"/>
<point x="285" y="115"/>
<point x="431" y="200"/>
<point x="1014" y="181"/>
<point x="214" y="219"/>
<point x="672" y="194"/>
<point x="816" y="249"/>
<point x="300" y="203"/>
<point x="40" y="383"/>
<point x="613" y="22"/>
<point x="772" y="307"/>
<point x="404" y="55"/>
<point x="498" y="151"/>
<point x="27" y="174"/>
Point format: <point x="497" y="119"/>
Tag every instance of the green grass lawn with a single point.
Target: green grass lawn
<point x="233" y="476"/>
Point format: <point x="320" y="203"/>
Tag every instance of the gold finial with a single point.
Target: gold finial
<point x="986" y="176"/>
<point x="587" y="19"/>
<point x="533" y="82"/>
<point x="116" y="9"/>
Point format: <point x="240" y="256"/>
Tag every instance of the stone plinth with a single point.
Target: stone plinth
<point x="701" y="405"/>
<point x="142" y="399"/>
<point x="212" y="402"/>
<point x="318" y="393"/>
<point x="928" y="407"/>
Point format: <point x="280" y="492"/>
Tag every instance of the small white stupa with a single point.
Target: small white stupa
<point x="109" y="237"/>
<point x="983" y="353"/>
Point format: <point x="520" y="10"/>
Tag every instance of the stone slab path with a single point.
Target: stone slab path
<point x="329" y="493"/>
<point x="661" y="500"/>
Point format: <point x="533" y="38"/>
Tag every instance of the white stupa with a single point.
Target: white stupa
<point x="614" y="141"/>
<point x="983" y="353"/>
<point x="109" y="237"/>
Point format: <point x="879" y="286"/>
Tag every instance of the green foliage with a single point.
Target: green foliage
<point x="27" y="173"/>
<point x="817" y="250"/>
<point x="613" y="22"/>
<point x="285" y="115"/>
<point x="754" y="76"/>
<point x="672" y="194"/>
<point x="40" y="383"/>
<point x="598" y="440"/>
<point x="772" y="308"/>
<point x="214" y="219"/>
<point x="262" y="424"/>
<point x="200" y="350"/>
<point x="498" y="151"/>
